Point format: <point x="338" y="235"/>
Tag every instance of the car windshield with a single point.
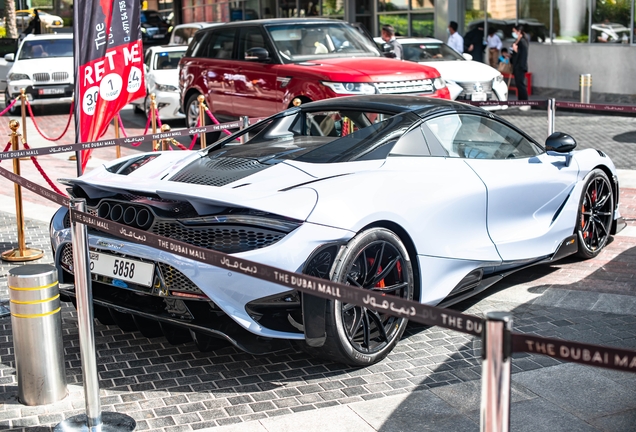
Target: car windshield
<point x="167" y="60"/>
<point x="151" y="18"/>
<point x="301" y="42"/>
<point x="40" y="48"/>
<point x="430" y="51"/>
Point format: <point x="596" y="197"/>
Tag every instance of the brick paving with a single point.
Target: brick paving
<point x="177" y="388"/>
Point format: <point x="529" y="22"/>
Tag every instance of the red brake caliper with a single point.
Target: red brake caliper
<point x="593" y="201"/>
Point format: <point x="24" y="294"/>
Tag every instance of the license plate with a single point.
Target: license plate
<point x="479" y="97"/>
<point x="51" y="91"/>
<point x="158" y="36"/>
<point x="125" y="269"/>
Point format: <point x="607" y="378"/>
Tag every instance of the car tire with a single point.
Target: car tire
<point x="595" y="214"/>
<point x="7" y="101"/>
<point x="192" y="116"/>
<point x="356" y="335"/>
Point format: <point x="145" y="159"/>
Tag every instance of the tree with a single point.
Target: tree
<point x="12" y="29"/>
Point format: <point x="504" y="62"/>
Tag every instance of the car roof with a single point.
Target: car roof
<point x="167" y="48"/>
<point x="49" y="36"/>
<point x="200" y="24"/>
<point x="411" y="40"/>
<point x="419" y="105"/>
<point x="270" y="21"/>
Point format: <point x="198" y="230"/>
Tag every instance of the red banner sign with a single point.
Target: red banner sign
<point x="108" y="63"/>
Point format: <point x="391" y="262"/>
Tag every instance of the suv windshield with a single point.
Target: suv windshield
<point x="434" y="51"/>
<point x="301" y="42"/>
<point x="40" y="48"/>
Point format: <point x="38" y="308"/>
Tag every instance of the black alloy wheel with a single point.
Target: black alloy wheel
<point x="192" y="118"/>
<point x="596" y="213"/>
<point x="375" y="260"/>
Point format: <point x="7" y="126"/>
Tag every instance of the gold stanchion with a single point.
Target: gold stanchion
<point x="153" y="121"/>
<point x="23" y="98"/>
<point x="22" y="253"/>
<point x="201" y="100"/>
<point x="165" y="142"/>
<point x="118" y="147"/>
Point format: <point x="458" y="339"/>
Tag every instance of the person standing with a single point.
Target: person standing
<point x="520" y="62"/>
<point x="35" y="25"/>
<point x="474" y="43"/>
<point x="455" y="40"/>
<point x="494" y="47"/>
<point x="393" y="48"/>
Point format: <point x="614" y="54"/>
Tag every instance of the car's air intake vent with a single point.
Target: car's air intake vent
<point x="218" y="171"/>
<point x="399" y="87"/>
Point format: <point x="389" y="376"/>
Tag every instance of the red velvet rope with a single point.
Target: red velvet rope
<point x="123" y="130"/>
<point x="47" y="178"/>
<point x="6" y="110"/>
<point x="68" y="123"/>
<point x="178" y="144"/>
<point x="215" y="121"/>
<point x="7" y="147"/>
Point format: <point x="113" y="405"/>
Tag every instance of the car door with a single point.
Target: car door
<point x="256" y="90"/>
<point x="213" y="71"/>
<point x="527" y="189"/>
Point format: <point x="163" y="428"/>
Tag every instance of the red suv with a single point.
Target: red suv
<point x="257" y="68"/>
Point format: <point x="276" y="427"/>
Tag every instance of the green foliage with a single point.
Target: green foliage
<point x="614" y="11"/>
<point x="68" y="21"/>
<point x="42" y="4"/>
<point x="423" y="28"/>
<point x="399" y="22"/>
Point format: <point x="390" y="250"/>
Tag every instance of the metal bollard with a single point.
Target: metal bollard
<point x="202" y="122"/>
<point x="585" y="87"/>
<point x="165" y="142"/>
<point x="245" y="122"/>
<point x="495" y="375"/>
<point x="36" y="324"/>
<point x="551" y="115"/>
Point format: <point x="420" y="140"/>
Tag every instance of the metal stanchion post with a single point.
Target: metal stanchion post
<point x="118" y="147"/>
<point x="21" y="253"/>
<point x="551" y="115"/>
<point x="165" y="142"/>
<point x="585" y="87"/>
<point x="495" y="375"/>
<point x="201" y="100"/>
<point x="36" y="325"/>
<point x="23" y="113"/>
<point x="153" y="119"/>
<point x="94" y="419"/>
<point x="245" y="122"/>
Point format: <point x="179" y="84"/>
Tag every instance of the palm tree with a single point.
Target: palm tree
<point x="12" y="29"/>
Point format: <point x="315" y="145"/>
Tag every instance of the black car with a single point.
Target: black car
<point x="154" y="29"/>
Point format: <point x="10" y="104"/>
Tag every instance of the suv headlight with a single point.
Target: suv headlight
<point x="167" y="88"/>
<point x="351" y="88"/>
<point x="439" y="83"/>
<point x="18" y="76"/>
<point x="499" y="78"/>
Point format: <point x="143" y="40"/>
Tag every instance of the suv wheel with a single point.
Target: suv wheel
<point x="192" y="117"/>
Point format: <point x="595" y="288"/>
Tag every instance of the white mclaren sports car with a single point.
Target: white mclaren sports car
<point x="417" y="198"/>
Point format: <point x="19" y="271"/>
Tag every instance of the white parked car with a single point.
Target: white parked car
<point x="162" y="79"/>
<point x="466" y="79"/>
<point x="43" y="66"/>
<point x="182" y="33"/>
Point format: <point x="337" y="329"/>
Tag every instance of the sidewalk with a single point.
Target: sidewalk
<point x="431" y="381"/>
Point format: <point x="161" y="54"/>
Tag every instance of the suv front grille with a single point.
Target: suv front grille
<point x="45" y="77"/>
<point x="469" y="87"/>
<point x="41" y="77"/>
<point x="397" y="87"/>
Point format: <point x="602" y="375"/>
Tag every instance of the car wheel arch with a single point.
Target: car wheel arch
<point x="188" y="95"/>
<point x="615" y="190"/>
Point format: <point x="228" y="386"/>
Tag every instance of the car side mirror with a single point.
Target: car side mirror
<point x="467" y="56"/>
<point x="256" y="54"/>
<point x="9" y="57"/>
<point x="560" y="142"/>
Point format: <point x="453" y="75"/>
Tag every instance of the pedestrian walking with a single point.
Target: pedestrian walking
<point x="474" y="43"/>
<point x="393" y="49"/>
<point x="455" y="40"/>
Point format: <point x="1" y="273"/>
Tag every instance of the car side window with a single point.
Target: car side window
<point x="194" y="47"/>
<point x="476" y="137"/>
<point x="221" y="45"/>
<point x="251" y="37"/>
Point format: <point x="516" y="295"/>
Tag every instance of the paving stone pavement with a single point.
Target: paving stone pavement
<point x="176" y="388"/>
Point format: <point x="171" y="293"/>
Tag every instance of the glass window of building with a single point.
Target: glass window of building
<point x="408" y="17"/>
<point x="400" y="23"/>
<point x="610" y="21"/>
<point x="570" y="21"/>
<point x="392" y="5"/>
<point x="423" y="25"/>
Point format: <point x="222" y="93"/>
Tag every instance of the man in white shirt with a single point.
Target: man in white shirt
<point x="455" y="40"/>
<point x="494" y="46"/>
